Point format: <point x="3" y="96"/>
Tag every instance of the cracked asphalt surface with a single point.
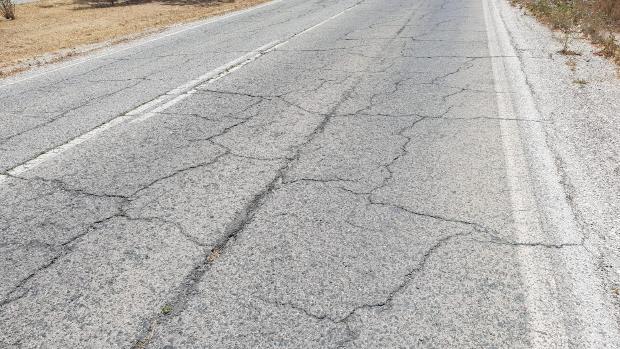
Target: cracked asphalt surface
<point x="357" y="182"/>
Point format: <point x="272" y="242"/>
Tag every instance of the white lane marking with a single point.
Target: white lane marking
<point x="560" y="302"/>
<point x="309" y="29"/>
<point x="180" y="93"/>
<point x="164" y="101"/>
<point x="188" y="88"/>
<point x="139" y="43"/>
<point x="157" y="105"/>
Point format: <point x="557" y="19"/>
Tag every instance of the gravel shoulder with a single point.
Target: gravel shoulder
<point x="583" y="105"/>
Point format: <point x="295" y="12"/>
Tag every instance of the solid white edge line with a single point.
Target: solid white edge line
<point x="574" y="299"/>
<point x="540" y="303"/>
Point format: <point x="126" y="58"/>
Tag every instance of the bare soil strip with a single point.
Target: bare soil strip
<point x="50" y="30"/>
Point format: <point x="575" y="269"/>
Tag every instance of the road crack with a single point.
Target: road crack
<point x="237" y="225"/>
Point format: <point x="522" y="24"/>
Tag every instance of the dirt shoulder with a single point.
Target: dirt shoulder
<point x="49" y="30"/>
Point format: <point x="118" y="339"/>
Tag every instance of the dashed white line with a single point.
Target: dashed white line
<point x="164" y="101"/>
<point x="146" y="110"/>
<point x="309" y="29"/>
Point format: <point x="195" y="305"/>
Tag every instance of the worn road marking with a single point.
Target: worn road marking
<point x="164" y="101"/>
<point x="144" y="111"/>
<point x="180" y="93"/>
<point x="309" y="29"/>
<point x="540" y="213"/>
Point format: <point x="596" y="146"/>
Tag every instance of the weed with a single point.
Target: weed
<point x="565" y="19"/>
<point x="598" y="20"/>
<point x="580" y="82"/>
<point x="568" y="52"/>
<point x="7" y="9"/>
<point x="609" y="46"/>
<point x="166" y="309"/>
<point x="215" y="253"/>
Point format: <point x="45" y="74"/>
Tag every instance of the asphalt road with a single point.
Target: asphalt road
<point x="307" y="173"/>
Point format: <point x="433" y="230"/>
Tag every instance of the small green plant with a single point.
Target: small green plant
<point x="7" y="9"/>
<point x="166" y="309"/>
<point x="565" y="19"/>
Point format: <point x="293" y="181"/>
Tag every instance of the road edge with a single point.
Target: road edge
<point x="530" y="164"/>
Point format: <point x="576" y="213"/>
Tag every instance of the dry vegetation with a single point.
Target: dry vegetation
<point x="597" y="19"/>
<point x="7" y="9"/>
<point x="58" y="26"/>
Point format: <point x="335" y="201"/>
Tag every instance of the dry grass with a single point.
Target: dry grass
<point x="597" y="19"/>
<point x="215" y="254"/>
<point x="52" y="26"/>
<point x="7" y="9"/>
<point x="580" y="82"/>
